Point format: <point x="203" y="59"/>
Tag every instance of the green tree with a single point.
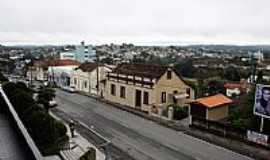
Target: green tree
<point x="48" y="133"/>
<point x="3" y="78"/>
<point x="186" y="68"/>
<point x="242" y="116"/>
<point x="260" y="77"/>
<point x="45" y="95"/>
<point x="232" y="74"/>
<point x="215" y="87"/>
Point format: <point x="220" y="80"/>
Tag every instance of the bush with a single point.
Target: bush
<point x="3" y="78"/>
<point x="178" y="111"/>
<point x="48" y="133"/>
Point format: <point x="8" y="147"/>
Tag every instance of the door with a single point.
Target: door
<point x="138" y="98"/>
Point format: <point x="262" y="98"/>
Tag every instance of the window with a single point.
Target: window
<point x="122" y="92"/>
<point x="169" y="74"/>
<point x="145" y="98"/>
<point x="188" y="92"/>
<point x="174" y="99"/>
<point x="75" y="81"/>
<point x="85" y="84"/>
<point x="163" y="97"/>
<point x="113" y="89"/>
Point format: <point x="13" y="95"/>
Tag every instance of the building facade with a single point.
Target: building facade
<point x="82" y="53"/>
<point x="143" y="86"/>
<point x="214" y="107"/>
<point x="84" y="78"/>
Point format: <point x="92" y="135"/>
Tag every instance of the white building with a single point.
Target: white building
<point x="84" y="78"/>
<point x="257" y="55"/>
<point x="59" y="71"/>
<point x="82" y="53"/>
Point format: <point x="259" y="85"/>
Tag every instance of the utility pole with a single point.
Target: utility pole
<point x="97" y="56"/>
<point x="31" y="72"/>
<point x="254" y="81"/>
<point x="253" y="68"/>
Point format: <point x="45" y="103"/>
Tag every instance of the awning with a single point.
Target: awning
<point x="180" y="95"/>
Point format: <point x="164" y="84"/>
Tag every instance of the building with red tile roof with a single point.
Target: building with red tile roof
<point x="236" y="88"/>
<point x="214" y="107"/>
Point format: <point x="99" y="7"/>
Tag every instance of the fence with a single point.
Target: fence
<point x="222" y="129"/>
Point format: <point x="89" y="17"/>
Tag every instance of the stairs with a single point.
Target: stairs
<point x="72" y="153"/>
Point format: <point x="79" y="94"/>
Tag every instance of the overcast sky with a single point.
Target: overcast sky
<point x="135" y="21"/>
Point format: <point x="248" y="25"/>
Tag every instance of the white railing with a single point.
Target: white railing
<point x="28" y="138"/>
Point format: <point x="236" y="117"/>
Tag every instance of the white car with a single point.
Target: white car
<point x="52" y="103"/>
<point x="46" y="83"/>
<point x="70" y="89"/>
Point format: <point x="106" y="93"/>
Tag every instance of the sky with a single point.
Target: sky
<point x="169" y="22"/>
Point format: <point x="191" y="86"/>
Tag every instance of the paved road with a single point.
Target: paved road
<point x="140" y="138"/>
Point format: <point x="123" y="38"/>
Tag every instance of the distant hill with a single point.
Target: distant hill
<point x="228" y="47"/>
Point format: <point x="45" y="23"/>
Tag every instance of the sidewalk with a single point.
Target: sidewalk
<point x="78" y="145"/>
<point x="234" y="145"/>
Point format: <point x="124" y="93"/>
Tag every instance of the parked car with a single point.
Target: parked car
<point x="35" y="96"/>
<point x="45" y="83"/>
<point x="70" y="89"/>
<point x="53" y="103"/>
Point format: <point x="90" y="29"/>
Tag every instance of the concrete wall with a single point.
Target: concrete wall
<point x="218" y="113"/>
<point x="19" y="124"/>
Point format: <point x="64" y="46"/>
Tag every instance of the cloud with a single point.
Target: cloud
<point x="103" y="21"/>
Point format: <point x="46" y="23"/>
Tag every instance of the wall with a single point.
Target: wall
<point x="20" y="126"/>
<point x="89" y="78"/>
<point x="56" y="74"/>
<point x="218" y="113"/>
<point x="169" y="86"/>
<point x="231" y="92"/>
<point x="130" y="94"/>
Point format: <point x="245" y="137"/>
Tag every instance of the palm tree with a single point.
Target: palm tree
<point x="45" y="95"/>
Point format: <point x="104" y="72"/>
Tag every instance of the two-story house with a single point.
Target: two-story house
<point x="143" y="86"/>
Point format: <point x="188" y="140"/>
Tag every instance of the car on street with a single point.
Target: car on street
<point x="53" y="103"/>
<point x="70" y="89"/>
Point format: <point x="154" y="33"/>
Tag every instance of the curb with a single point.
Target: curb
<point x="188" y="131"/>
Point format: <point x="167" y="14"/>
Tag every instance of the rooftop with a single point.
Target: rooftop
<point x="213" y="101"/>
<point x="88" y="66"/>
<point x="56" y="62"/>
<point x="232" y="85"/>
<point x="143" y="70"/>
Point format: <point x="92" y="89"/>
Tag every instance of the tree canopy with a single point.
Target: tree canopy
<point x="45" y="95"/>
<point x="49" y="134"/>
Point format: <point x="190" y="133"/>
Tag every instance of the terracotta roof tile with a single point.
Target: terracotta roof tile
<point x="56" y="62"/>
<point x="140" y="69"/>
<point x="88" y="66"/>
<point x="213" y="101"/>
<point x="63" y="62"/>
<point x="232" y="85"/>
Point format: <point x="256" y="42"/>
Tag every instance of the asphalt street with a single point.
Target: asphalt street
<point x="140" y="138"/>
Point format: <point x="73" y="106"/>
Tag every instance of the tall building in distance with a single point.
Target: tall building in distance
<point x="81" y="53"/>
